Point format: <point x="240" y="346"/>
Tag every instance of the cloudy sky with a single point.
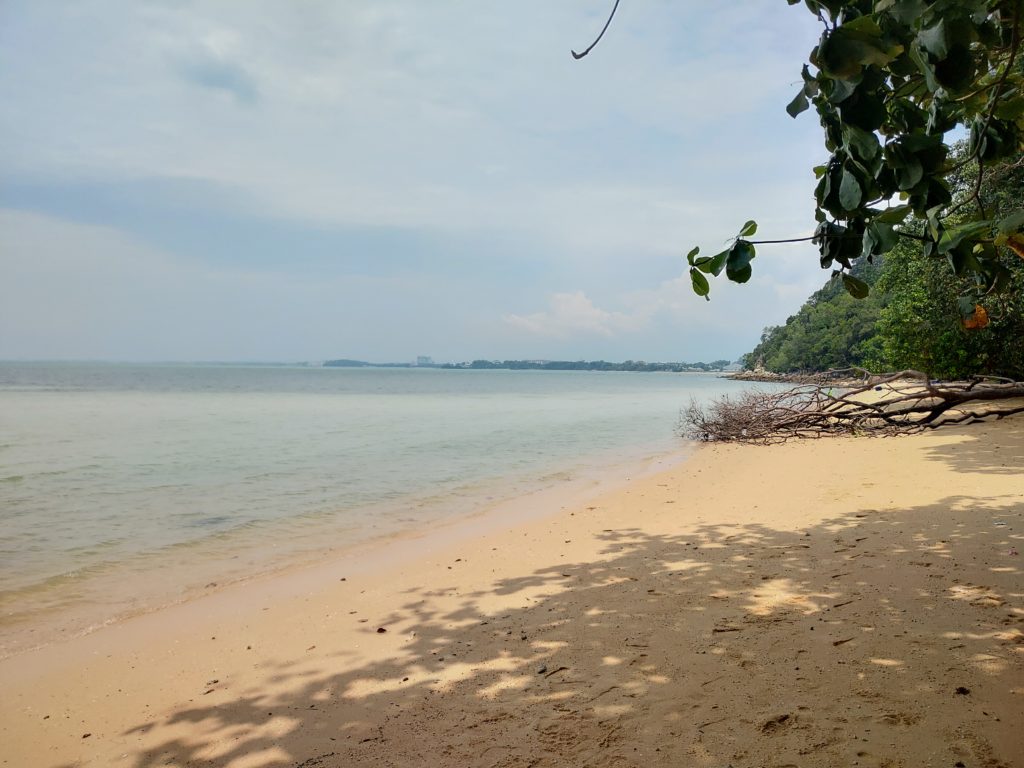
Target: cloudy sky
<point x="381" y="179"/>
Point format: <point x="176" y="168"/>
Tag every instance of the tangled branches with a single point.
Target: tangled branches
<point x="896" y="403"/>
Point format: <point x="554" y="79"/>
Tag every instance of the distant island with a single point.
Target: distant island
<point x="546" y="365"/>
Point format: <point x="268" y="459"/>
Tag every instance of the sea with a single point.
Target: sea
<point x="126" y="487"/>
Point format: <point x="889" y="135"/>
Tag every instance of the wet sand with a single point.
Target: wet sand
<point x="825" y="603"/>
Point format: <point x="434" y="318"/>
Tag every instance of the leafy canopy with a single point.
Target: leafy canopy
<point x="889" y="80"/>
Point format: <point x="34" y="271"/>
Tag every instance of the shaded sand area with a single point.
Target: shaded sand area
<point x="826" y="603"/>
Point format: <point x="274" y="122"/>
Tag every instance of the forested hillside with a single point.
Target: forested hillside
<point x="831" y="330"/>
<point x="920" y="314"/>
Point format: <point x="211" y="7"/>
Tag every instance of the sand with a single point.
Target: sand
<point x="827" y="603"/>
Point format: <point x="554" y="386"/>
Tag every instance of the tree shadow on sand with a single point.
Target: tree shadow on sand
<point x="984" y="450"/>
<point x="846" y="642"/>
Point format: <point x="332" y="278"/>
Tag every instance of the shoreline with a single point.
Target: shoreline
<point x="821" y="378"/>
<point x="163" y="483"/>
<point x="703" y="615"/>
<point x="510" y="496"/>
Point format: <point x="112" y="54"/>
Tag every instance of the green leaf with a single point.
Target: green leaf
<point x="741" y="275"/>
<point x="737" y="266"/>
<point x="879" y="238"/>
<point x="864" y="109"/>
<point x="850" y="193"/>
<point x="864" y="25"/>
<point x="904" y="11"/>
<point x="846" y="50"/>
<point x="690" y="256"/>
<point x="957" y="260"/>
<point x="954" y="236"/>
<point x="856" y="288"/>
<point x="921" y="60"/>
<point x="895" y="215"/>
<point x="798" y="104"/>
<point x="935" y="40"/>
<point x="1012" y="223"/>
<point x="700" y="283"/>
<point x="748" y="229"/>
<point x="887" y="236"/>
<point x="909" y="170"/>
<point x="869" y="243"/>
<point x="840" y="91"/>
<point x="740" y="254"/>
<point x="932" y="217"/>
<point x="717" y="263"/>
<point x="863" y="144"/>
<point x="1011" y="109"/>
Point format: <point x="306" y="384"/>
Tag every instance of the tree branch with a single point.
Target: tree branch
<point x="590" y="47"/>
<point x="911" y="403"/>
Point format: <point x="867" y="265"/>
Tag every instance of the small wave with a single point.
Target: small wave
<point x="12" y="479"/>
<point x="212" y="521"/>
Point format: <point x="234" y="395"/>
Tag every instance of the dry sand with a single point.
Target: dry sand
<point x="829" y="603"/>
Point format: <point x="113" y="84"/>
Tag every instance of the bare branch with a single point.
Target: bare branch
<point x="904" y="402"/>
<point x="590" y="47"/>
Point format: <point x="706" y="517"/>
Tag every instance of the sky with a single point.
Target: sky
<point x="378" y="180"/>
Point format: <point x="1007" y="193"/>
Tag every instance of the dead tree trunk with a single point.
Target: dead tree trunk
<point x="892" y="403"/>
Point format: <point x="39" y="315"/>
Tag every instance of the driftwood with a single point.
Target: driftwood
<point x="887" y="404"/>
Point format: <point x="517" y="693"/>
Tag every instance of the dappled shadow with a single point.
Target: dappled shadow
<point x="984" y="449"/>
<point x="843" y="643"/>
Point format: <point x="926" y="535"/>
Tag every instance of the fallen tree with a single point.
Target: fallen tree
<point x="893" y="403"/>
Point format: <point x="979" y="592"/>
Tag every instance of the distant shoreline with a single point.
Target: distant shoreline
<point x="639" y="366"/>
<point x="820" y="378"/>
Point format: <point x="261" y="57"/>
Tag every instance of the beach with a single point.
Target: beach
<point x="853" y="601"/>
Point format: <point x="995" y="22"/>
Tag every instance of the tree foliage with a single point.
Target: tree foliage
<point x="831" y="330"/>
<point x="922" y="321"/>
<point x="912" y="319"/>
<point x="889" y="80"/>
<point x="920" y="314"/>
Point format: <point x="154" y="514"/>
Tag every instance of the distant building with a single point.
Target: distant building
<point x="424" y="360"/>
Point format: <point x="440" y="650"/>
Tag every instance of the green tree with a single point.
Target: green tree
<point x="923" y="325"/>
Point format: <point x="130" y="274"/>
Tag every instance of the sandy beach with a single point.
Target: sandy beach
<point x="824" y="603"/>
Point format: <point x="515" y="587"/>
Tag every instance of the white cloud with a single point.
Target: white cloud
<point x="80" y="291"/>
<point x="397" y="112"/>
<point x="573" y="314"/>
<point x="457" y="120"/>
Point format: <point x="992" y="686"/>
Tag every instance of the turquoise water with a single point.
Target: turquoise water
<point x="126" y="486"/>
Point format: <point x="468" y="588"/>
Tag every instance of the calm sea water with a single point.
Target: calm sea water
<point x="123" y="487"/>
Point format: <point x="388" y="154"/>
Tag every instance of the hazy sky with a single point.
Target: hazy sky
<point x="389" y="178"/>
